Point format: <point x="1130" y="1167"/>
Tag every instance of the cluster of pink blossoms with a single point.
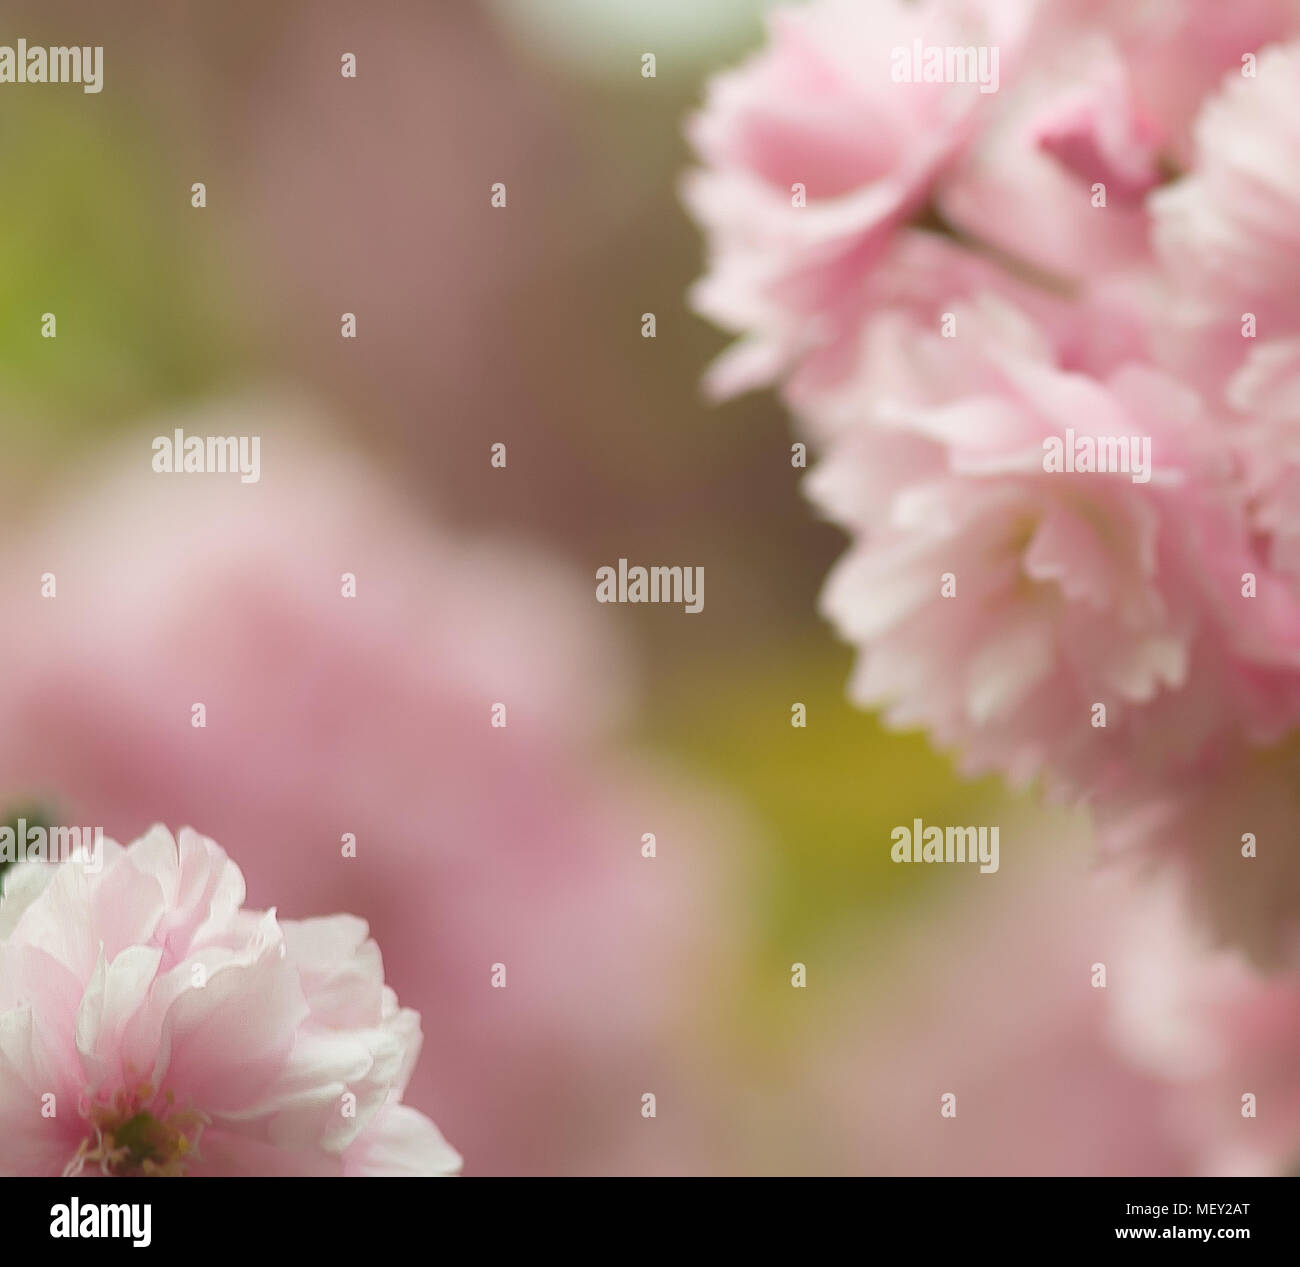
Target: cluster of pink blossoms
<point x="982" y="247"/>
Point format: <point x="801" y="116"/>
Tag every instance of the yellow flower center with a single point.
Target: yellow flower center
<point x="136" y="1134"/>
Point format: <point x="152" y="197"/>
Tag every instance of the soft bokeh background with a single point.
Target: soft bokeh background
<point x="523" y="326"/>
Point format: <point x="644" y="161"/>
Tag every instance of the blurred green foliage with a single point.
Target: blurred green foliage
<point x="826" y="797"/>
<point x="42" y="816"/>
<point x="104" y="238"/>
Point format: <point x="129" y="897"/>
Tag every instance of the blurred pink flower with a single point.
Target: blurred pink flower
<point x="1084" y="1027"/>
<point x="1179" y="53"/>
<point x="151" y="1025"/>
<point x="995" y="999"/>
<point x="371" y="717"/>
<point x="1096" y="134"/>
<point x="1215" y="1032"/>
<point x="1200" y="821"/>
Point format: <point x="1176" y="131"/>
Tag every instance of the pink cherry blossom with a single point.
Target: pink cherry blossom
<point x="1265" y="395"/>
<point x="820" y="111"/>
<point x="1096" y="134"/>
<point x="1229" y="231"/>
<point x="1106" y="96"/>
<point x="1067" y="590"/>
<point x="1196" y="813"/>
<point x="1178" y="54"/>
<point x="1026" y="184"/>
<point x="1092" y="94"/>
<point x="1087" y="95"/>
<point x="150" y="1024"/>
